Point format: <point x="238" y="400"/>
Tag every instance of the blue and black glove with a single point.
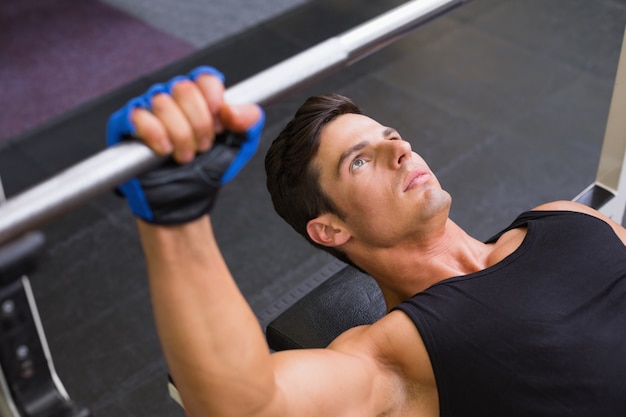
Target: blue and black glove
<point x="173" y="193"/>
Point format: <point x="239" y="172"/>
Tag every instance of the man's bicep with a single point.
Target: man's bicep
<point x="327" y="382"/>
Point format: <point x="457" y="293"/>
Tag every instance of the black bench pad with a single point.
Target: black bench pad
<point x="347" y="299"/>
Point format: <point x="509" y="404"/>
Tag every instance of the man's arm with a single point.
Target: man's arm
<point x="211" y="340"/>
<point x="213" y="343"/>
<point x="217" y="354"/>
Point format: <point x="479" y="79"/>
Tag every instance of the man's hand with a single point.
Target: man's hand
<point x="209" y="141"/>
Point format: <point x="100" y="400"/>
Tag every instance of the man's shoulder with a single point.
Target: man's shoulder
<point x="581" y="208"/>
<point x="564" y="205"/>
<point x="394" y="342"/>
<point x="388" y="327"/>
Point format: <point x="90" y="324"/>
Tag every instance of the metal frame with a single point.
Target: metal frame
<point x="28" y="379"/>
<point x="7" y="405"/>
<point x="608" y="192"/>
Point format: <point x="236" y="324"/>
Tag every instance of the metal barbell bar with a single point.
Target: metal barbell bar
<point x="100" y="173"/>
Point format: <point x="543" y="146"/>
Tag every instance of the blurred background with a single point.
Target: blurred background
<point x="506" y="99"/>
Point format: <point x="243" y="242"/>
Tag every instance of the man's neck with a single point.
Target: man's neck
<point x="412" y="266"/>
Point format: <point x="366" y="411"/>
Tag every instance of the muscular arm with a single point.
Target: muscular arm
<point x="217" y="353"/>
<point x="213" y="344"/>
<point x="211" y="340"/>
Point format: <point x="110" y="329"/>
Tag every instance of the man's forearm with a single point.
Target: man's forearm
<point x="211" y="339"/>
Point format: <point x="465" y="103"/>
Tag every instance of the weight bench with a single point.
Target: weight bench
<point x="349" y="298"/>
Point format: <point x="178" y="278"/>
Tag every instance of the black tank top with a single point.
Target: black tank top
<point x="541" y="333"/>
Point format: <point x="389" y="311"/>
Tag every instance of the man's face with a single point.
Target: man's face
<point x="386" y="191"/>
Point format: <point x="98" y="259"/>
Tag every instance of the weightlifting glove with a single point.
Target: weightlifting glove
<point x="173" y="193"/>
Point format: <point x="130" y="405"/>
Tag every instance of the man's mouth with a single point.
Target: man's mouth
<point x="415" y="178"/>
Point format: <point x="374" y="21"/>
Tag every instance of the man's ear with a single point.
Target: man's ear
<point x="327" y="230"/>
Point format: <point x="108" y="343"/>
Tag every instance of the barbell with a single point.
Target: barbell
<point x="105" y="170"/>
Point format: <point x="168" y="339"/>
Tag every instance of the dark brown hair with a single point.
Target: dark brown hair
<point x="292" y="179"/>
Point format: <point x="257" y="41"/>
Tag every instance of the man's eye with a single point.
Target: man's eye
<point x="357" y="163"/>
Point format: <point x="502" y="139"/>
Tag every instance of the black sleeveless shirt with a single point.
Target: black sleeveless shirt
<point x="541" y="333"/>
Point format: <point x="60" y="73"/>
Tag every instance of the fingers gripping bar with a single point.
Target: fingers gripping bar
<point x="111" y="167"/>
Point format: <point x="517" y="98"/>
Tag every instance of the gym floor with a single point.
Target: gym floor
<point x="506" y="99"/>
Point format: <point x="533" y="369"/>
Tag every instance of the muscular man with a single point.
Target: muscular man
<point x="530" y="323"/>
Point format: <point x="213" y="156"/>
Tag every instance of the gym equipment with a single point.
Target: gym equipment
<point x="29" y="386"/>
<point x="111" y="167"/>
<point x="608" y="192"/>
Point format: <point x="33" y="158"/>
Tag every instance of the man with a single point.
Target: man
<point x="530" y="323"/>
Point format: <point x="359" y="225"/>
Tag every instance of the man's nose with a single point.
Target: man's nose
<point x="399" y="152"/>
